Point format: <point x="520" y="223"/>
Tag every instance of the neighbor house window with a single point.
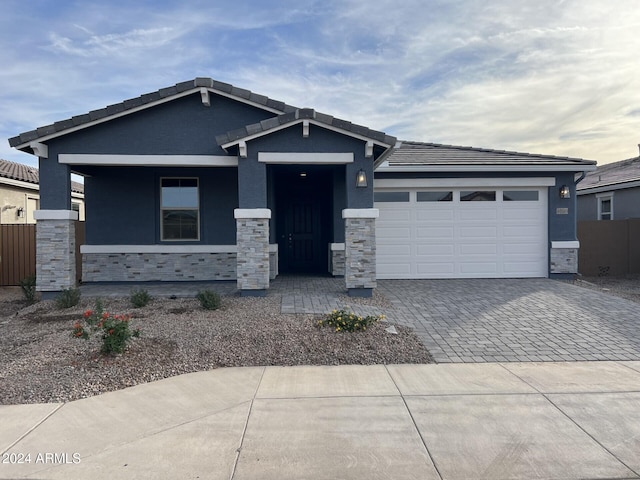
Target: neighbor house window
<point x="605" y="206"/>
<point x="179" y="209"/>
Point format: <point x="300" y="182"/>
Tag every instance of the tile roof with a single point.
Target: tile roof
<point x="612" y="174"/>
<point x="418" y="153"/>
<point x="26" y="173"/>
<point x="303" y="114"/>
<point x="147" y="98"/>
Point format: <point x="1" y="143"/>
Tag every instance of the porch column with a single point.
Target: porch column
<point x="55" y="250"/>
<point x="360" y="250"/>
<point x="252" y="239"/>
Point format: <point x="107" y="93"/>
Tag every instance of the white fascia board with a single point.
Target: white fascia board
<point x="149" y="160"/>
<point x="565" y="244"/>
<point x="151" y="105"/>
<point x="485" y="168"/>
<point x="252" y="213"/>
<point x="360" y="213"/>
<point x="315" y="158"/>
<point x="19" y="183"/>
<point x="463" y="182"/>
<point x="608" y="188"/>
<point x="348" y="133"/>
<point x="55" y="215"/>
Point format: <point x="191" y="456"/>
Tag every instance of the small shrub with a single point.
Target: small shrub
<point x="139" y="298"/>
<point x="115" y="329"/>
<point x="69" y="297"/>
<point x="344" y="321"/>
<point x="28" y="286"/>
<point x="209" y="300"/>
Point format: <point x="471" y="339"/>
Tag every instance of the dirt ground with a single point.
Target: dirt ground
<point x="625" y="287"/>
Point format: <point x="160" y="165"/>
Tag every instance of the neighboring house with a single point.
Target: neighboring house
<point x="19" y="193"/>
<point x="206" y="181"/>
<point x="612" y="192"/>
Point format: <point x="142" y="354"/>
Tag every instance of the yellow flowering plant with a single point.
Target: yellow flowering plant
<point x="345" y="321"/>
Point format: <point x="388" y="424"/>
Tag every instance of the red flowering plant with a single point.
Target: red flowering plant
<point x="115" y="329"/>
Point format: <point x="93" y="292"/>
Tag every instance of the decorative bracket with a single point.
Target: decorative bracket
<point x="305" y="128"/>
<point x="368" y="150"/>
<point x="40" y="149"/>
<point x="204" y="93"/>
<point x="242" y="148"/>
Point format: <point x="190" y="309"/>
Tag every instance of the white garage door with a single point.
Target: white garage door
<point x="462" y="233"/>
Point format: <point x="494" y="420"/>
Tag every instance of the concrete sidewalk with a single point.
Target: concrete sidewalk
<point x="453" y="421"/>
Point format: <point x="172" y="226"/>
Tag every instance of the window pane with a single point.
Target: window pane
<point x="605" y="206"/>
<point x="179" y="224"/>
<point x="179" y="192"/>
<point x="391" y="196"/>
<point x="435" y="196"/>
<point x="520" y="196"/>
<point x="477" y="196"/>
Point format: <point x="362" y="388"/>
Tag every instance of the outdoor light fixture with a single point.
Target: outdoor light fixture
<point x="564" y="192"/>
<point x="20" y="212"/>
<point x="361" y="179"/>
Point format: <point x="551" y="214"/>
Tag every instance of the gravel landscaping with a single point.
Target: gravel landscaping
<point x="627" y="287"/>
<point x="42" y="362"/>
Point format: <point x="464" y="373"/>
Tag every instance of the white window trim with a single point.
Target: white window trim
<point x="600" y="197"/>
<point x="162" y="239"/>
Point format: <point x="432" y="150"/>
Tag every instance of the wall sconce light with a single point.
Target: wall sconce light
<point x="20" y="212"/>
<point x="565" y="192"/>
<point x="361" y="179"/>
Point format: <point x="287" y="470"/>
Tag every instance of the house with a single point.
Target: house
<point x="207" y="181"/>
<point x="611" y="192"/>
<point x="19" y="193"/>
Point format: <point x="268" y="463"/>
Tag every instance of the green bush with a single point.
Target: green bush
<point x="69" y="297"/>
<point x="28" y="286"/>
<point x="139" y="298"/>
<point x="209" y="300"/>
<point x="115" y="329"/>
<point x="344" y="321"/>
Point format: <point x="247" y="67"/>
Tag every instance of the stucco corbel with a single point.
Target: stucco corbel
<point x="40" y="149"/>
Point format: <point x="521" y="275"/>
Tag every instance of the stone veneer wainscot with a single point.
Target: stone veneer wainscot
<point x="360" y="250"/>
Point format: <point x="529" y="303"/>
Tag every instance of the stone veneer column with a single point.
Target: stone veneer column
<point x="563" y="259"/>
<point x="360" y="250"/>
<point x="55" y="250"/>
<point x="252" y="239"/>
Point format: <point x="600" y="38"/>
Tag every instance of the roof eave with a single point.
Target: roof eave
<point x="406" y="168"/>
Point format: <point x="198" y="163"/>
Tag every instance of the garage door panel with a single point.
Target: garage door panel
<point x="434" y="249"/>
<point x="440" y="268"/>
<point x="393" y="233"/>
<point x="438" y="233"/>
<point x="478" y="214"/>
<point x="452" y="239"/>
<point x="477" y="232"/>
<point x="434" y="215"/>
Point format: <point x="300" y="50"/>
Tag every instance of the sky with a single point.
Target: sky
<point x="557" y="77"/>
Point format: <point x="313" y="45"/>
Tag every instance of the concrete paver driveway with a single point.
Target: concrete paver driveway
<point x="515" y="320"/>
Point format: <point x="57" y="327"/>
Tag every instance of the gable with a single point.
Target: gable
<point x="202" y="87"/>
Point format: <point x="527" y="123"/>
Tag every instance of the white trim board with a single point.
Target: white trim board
<point x="315" y="158"/>
<point x="149" y="160"/>
<point x="485" y="168"/>
<point x="463" y="182"/>
<point x="55" y="215"/>
<point x="181" y="249"/>
<point x="565" y="244"/>
<point x="19" y="183"/>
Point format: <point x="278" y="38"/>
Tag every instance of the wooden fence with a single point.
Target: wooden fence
<point x="609" y="247"/>
<point x="18" y="252"/>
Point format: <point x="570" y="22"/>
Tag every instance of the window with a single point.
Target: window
<point x="75" y="206"/>
<point x="391" y="197"/>
<point x="435" y="196"/>
<point x="478" y="196"/>
<point x="520" y="196"/>
<point x="605" y="206"/>
<point x="179" y="209"/>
